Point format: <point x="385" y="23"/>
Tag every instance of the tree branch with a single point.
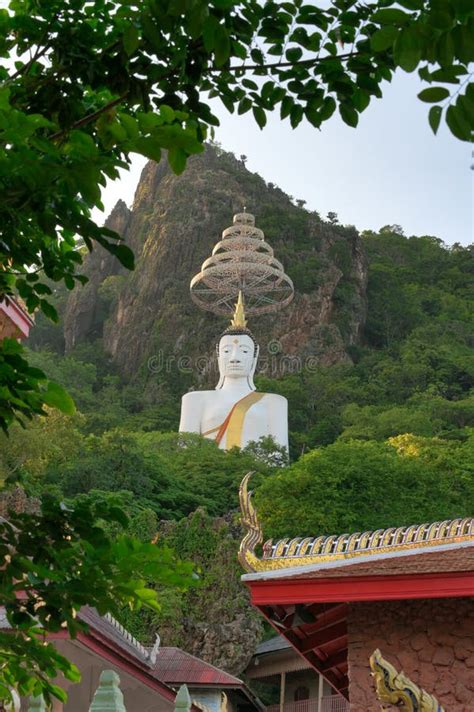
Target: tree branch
<point x="90" y="117"/>
<point x="301" y="62"/>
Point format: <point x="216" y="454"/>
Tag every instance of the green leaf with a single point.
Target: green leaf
<point x="56" y="397"/>
<point x="390" y="16"/>
<point x="167" y="113"/>
<point x="286" y="106"/>
<point x="294" y="54"/>
<point x="463" y="37"/>
<point x="130" y="125"/>
<point x="177" y="160"/>
<point x="5" y="98"/>
<point x="383" y="38"/>
<point x="407" y="49"/>
<point x="463" y="7"/>
<point x="434" y="118"/>
<point x="228" y="103"/>
<point x="49" y="311"/>
<point x="148" y="147"/>
<point x="245" y="105"/>
<point x="209" y="32"/>
<point x="361" y="99"/>
<point x="72" y="673"/>
<point x="449" y="74"/>
<point x="458" y="124"/>
<point x="123" y="253"/>
<point x="328" y="108"/>
<point x="58" y="692"/>
<point x="313" y="116"/>
<point x="349" y="115"/>
<point x="130" y="39"/>
<point x="221" y="46"/>
<point x="296" y="114"/>
<point x="441" y="19"/>
<point x="445" y="49"/>
<point x="411" y="4"/>
<point x="260" y="116"/>
<point x="433" y="94"/>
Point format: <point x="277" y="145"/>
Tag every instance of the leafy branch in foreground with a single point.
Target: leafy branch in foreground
<point x="83" y="85"/>
<point x="57" y="561"/>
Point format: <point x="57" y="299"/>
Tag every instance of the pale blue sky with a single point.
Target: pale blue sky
<point x="390" y="169"/>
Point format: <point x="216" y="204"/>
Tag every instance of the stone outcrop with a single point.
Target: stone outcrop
<point x="229" y="646"/>
<point x="432" y="641"/>
<point x="172" y="227"/>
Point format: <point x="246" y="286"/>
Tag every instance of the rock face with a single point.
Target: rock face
<point x="432" y="641"/>
<point x="214" y="621"/>
<point x="172" y="227"/>
<point x="229" y="646"/>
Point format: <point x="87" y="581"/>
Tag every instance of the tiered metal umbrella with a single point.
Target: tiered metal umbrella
<point x="242" y="262"/>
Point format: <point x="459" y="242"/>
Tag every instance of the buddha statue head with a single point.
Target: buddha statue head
<point x="237" y="350"/>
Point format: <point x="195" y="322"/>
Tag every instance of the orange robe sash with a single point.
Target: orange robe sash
<point x="233" y="425"/>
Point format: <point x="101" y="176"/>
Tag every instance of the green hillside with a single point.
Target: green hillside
<point x="385" y="440"/>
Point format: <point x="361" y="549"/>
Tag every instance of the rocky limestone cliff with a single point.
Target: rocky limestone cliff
<point x="172" y="227"/>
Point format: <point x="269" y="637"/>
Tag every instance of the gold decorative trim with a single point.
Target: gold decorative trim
<point x="239" y="321"/>
<point x="287" y="553"/>
<point x="249" y="518"/>
<point x="395" y="688"/>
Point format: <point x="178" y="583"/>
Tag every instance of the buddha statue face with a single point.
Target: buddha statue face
<point x="237" y="358"/>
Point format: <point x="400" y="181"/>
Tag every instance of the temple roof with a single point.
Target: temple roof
<point x="330" y="552"/>
<point x="306" y="587"/>
<point x="15" y="322"/>
<point x="112" y="630"/>
<point x="175" y="666"/>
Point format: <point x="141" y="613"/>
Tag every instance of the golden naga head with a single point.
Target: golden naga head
<point x="395" y="688"/>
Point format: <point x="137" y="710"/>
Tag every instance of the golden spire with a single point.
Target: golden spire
<point x="239" y="319"/>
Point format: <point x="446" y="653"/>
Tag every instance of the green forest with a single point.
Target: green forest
<point x="384" y="441"/>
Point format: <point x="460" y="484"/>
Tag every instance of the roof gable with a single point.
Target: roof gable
<point x="175" y="666"/>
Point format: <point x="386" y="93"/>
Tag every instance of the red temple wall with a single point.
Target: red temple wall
<point x="431" y="640"/>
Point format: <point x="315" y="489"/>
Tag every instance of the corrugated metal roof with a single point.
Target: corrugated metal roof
<point x="270" y="646"/>
<point x="175" y="666"/>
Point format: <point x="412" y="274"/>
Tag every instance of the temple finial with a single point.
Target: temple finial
<point x="239" y="319"/>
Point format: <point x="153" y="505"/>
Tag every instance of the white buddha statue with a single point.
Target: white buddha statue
<point x="235" y="414"/>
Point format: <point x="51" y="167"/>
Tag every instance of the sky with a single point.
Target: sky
<point x="390" y="169"/>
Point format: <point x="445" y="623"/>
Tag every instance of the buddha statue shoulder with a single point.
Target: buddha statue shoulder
<point x="235" y="413"/>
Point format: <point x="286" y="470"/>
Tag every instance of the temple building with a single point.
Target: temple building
<point x="149" y="676"/>
<point x="388" y="613"/>
<point x="295" y="684"/>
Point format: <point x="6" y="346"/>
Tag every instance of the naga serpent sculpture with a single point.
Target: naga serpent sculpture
<point x="249" y="518"/>
<point x="397" y="689"/>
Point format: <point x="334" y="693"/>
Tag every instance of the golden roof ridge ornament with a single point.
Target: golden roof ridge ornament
<point x="395" y="688"/>
<point x="249" y="518"/>
<point x="289" y="553"/>
<point x="239" y="321"/>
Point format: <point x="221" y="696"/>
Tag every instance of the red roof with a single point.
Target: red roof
<point x="174" y="666"/>
<point x="308" y="605"/>
<point x="15" y="322"/>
